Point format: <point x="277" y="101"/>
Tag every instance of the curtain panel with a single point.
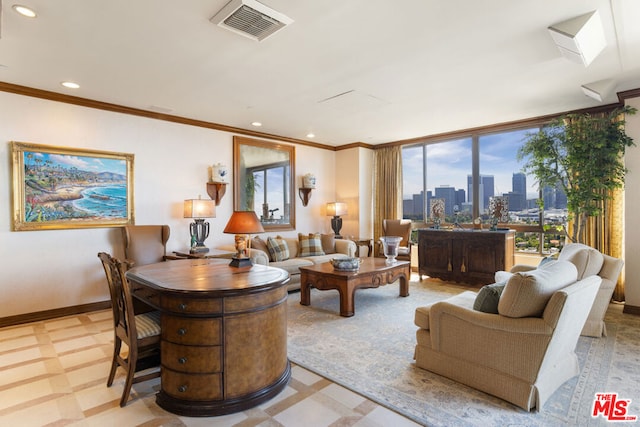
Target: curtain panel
<point x="387" y="187"/>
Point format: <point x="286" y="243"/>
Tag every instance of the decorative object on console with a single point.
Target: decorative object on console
<point x="390" y="246"/>
<point x="199" y="209"/>
<point x="498" y="210"/>
<point x="308" y="184"/>
<point x="243" y="223"/>
<point x="437" y="211"/>
<point x="336" y="210"/>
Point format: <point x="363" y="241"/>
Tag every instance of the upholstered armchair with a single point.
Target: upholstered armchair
<point x="146" y="244"/>
<point x="588" y="261"/>
<point x="521" y="353"/>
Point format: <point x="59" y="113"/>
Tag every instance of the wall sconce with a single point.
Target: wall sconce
<point x="308" y="184"/>
<point x="217" y="185"/>
<point x="199" y="209"/>
<point x="243" y="223"/>
<point x="336" y="209"/>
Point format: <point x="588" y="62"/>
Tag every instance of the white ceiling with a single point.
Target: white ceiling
<point x="411" y="67"/>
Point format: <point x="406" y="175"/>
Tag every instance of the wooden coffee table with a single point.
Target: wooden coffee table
<point x="373" y="273"/>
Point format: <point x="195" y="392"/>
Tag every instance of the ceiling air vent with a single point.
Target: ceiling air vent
<point x="250" y="19"/>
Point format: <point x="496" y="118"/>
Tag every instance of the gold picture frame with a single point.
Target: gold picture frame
<point x="59" y="187"/>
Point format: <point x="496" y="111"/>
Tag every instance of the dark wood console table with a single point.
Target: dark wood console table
<point x="224" y="333"/>
<point x="467" y="256"/>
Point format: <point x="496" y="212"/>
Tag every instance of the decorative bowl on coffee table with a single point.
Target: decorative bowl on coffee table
<point x="346" y="264"/>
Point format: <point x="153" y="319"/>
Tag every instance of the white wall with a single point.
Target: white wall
<point x="43" y="270"/>
<point x="632" y="209"/>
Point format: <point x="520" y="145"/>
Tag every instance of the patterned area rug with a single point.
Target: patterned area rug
<point x="371" y="353"/>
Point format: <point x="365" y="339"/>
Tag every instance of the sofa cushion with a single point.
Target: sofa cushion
<point x="328" y="243"/>
<point x="278" y="249"/>
<point x="258" y="243"/>
<point x="310" y="245"/>
<point x="488" y="298"/>
<point x="292" y="265"/>
<point x="587" y="260"/>
<point x="526" y="293"/>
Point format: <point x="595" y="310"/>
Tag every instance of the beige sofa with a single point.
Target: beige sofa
<point x="523" y="353"/>
<point x="588" y="261"/>
<point x="342" y="248"/>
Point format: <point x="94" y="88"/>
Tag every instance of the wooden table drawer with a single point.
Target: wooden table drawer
<point x="181" y="330"/>
<point x="191" y="359"/>
<point x="192" y="386"/>
<point x="191" y="305"/>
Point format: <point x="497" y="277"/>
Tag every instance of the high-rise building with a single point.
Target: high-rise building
<point x="518" y="196"/>
<point x="561" y="197"/>
<point x="449" y="195"/>
<point x="486" y="190"/>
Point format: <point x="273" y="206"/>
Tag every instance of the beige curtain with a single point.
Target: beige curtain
<point x="605" y="233"/>
<point x="387" y="187"/>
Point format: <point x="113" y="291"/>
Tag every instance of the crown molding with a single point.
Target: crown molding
<point x="90" y="103"/>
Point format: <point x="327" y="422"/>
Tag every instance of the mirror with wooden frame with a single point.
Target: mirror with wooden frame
<point x="263" y="181"/>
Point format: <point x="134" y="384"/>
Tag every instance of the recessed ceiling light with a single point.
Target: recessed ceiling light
<point x="24" y="11"/>
<point x="310" y="135"/>
<point x="257" y="124"/>
<point x="70" y="85"/>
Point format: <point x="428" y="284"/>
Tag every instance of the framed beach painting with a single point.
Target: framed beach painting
<point x="58" y="187"/>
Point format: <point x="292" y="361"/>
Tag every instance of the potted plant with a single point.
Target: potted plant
<point x="583" y="154"/>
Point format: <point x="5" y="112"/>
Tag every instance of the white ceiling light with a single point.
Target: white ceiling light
<point x="599" y="90"/>
<point x="310" y="135"/>
<point x="24" y="11"/>
<point x="580" y="39"/>
<point x="70" y="85"/>
<point x="251" y="19"/>
<point x="256" y="124"/>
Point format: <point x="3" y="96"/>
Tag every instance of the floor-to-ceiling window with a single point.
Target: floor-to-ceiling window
<point x="467" y="172"/>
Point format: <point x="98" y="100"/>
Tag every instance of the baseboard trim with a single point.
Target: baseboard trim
<point x="52" y="314"/>
<point x="631" y="309"/>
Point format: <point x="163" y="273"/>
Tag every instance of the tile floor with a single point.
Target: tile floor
<point x="53" y="373"/>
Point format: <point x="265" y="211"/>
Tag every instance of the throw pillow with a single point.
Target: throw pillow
<point x="310" y="245"/>
<point x="488" y="298"/>
<point x="258" y="243"/>
<point x="328" y="243"/>
<point x="527" y="293"/>
<point x="278" y="249"/>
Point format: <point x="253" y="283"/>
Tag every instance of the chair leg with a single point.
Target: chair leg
<point x="117" y="345"/>
<point x="131" y="371"/>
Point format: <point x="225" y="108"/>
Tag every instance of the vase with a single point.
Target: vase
<point x="390" y="248"/>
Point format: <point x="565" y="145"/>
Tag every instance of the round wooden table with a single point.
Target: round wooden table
<point x="224" y="333"/>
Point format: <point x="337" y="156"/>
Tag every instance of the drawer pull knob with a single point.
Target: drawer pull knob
<point x="182" y="388"/>
<point x="182" y="331"/>
<point x="182" y="307"/>
<point x="182" y="360"/>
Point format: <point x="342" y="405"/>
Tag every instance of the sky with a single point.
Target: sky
<point x="449" y="163"/>
<point x="83" y="163"/>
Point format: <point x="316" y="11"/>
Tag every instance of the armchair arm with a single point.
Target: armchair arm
<point x="522" y="267"/>
<point x="258" y="257"/>
<point x="346" y="247"/>
<point x="515" y="346"/>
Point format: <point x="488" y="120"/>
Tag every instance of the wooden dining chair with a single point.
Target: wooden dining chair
<point x="140" y="333"/>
